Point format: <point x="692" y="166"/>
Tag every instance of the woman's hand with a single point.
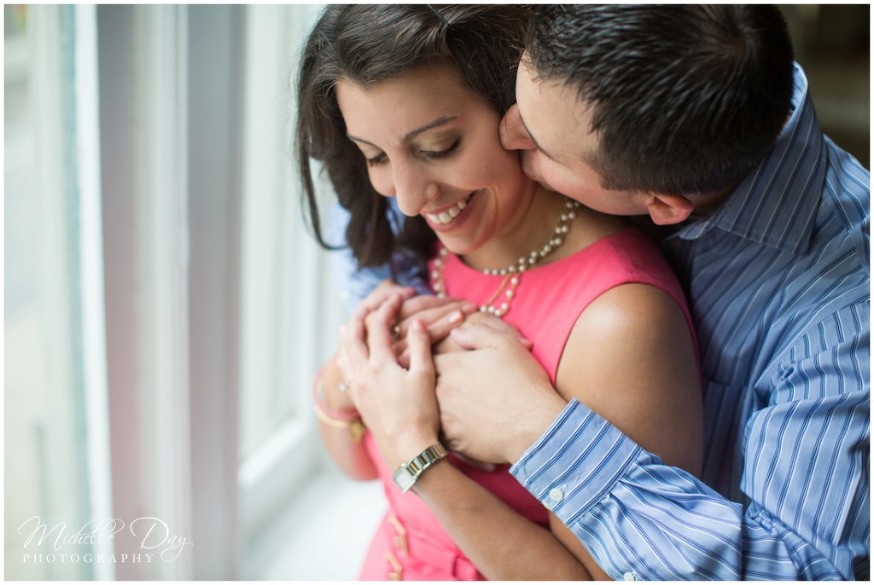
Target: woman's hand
<point x="342" y="400"/>
<point x="440" y="317"/>
<point x="398" y="405"/>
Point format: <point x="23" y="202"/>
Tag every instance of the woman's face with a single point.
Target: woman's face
<point x="433" y="144"/>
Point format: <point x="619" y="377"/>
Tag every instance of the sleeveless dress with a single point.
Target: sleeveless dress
<point x="410" y="544"/>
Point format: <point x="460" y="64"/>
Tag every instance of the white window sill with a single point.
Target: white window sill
<point x="323" y="535"/>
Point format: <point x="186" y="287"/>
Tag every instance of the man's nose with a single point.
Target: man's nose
<point x="514" y="135"/>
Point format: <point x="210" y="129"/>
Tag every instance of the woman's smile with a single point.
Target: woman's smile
<point x="449" y="217"/>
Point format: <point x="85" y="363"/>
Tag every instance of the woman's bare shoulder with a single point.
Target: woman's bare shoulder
<point x="630" y="358"/>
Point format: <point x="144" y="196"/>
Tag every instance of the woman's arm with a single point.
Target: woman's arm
<point x="502" y="544"/>
<point x="341" y="435"/>
<point x="336" y="410"/>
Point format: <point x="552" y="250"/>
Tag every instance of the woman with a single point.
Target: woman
<point x="405" y="102"/>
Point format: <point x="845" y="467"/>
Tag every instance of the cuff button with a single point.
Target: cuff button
<point x="556" y="495"/>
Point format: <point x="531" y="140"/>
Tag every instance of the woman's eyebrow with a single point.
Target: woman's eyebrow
<point x="442" y="120"/>
<point x="430" y="125"/>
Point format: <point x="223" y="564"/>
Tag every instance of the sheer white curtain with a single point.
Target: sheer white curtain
<point x="56" y="462"/>
<point x="165" y="306"/>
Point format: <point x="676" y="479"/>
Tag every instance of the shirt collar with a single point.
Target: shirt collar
<point x="776" y="204"/>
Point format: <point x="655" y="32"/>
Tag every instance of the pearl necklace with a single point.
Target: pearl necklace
<point x="513" y="273"/>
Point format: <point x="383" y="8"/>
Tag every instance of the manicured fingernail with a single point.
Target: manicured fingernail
<point x="418" y="325"/>
<point x="455" y="317"/>
<point x="468" y="307"/>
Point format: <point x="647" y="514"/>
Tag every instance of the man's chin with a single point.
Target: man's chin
<point x="536" y="178"/>
<point x="529" y="171"/>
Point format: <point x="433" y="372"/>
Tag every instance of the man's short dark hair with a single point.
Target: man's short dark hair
<point x="687" y="99"/>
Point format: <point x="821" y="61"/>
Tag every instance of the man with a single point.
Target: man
<point x="697" y="117"/>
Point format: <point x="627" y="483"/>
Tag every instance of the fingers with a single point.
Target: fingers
<point x="380" y="323"/>
<point x="441" y="328"/>
<point x="491" y="321"/>
<point x="437" y="330"/>
<point x="421" y="303"/>
<point x="353" y="349"/>
<point x="368" y="330"/>
<point x="383" y="292"/>
<point x="496" y="324"/>
<point x="419" y="345"/>
<point x="402" y="352"/>
<point x="438" y="333"/>
<point x="433" y="312"/>
<point x="481" y="336"/>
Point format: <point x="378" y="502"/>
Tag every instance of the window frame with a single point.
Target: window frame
<point x="182" y="189"/>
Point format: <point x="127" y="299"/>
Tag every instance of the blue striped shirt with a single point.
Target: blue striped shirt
<point x="778" y="281"/>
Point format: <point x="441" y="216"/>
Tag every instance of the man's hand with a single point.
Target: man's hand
<point x="495" y="399"/>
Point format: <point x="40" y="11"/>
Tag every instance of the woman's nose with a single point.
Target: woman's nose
<point x="414" y="189"/>
<point x="514" y="135"/>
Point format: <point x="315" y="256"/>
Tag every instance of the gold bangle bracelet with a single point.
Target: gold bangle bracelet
<point x="355" y="426"/>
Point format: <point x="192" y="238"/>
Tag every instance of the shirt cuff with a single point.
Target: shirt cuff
<point x="577" y="462"/>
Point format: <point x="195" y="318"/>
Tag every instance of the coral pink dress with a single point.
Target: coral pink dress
<point x="410" y="544"/>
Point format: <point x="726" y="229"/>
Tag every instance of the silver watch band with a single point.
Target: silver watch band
<point x="408" y="473"/>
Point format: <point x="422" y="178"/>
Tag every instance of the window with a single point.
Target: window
<point x="163" y="298"/>
<point x="288" y="316"/>
<point x="56" y="464"/>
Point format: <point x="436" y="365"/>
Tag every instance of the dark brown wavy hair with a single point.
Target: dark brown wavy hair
<point x="687" y="98"/>
<point x="367" y="45"/>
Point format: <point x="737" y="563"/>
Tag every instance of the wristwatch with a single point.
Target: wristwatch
<point x="408" y="473"/>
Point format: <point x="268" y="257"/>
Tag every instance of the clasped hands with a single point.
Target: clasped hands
<point x="422" y="369"/>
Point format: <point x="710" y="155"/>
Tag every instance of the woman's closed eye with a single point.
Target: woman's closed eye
<point x="438" y="154"/>
<point x="381" y="158"/>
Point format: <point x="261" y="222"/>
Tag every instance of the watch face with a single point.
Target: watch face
<point x="403" y="479"/>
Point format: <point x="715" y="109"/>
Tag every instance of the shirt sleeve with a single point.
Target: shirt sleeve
<point x="806" y="460"/>
<point x="355" y="283"/>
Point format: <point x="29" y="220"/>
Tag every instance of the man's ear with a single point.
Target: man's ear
<point x="668" y="209"/>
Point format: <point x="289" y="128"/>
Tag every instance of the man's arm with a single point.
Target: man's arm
<point x="356" y="283"/>
<point x="805" y="457"/>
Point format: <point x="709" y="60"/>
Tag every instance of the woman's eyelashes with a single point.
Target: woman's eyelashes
<point x="438" y="154"/>
<point x="376" y="160"/>
<point x="381" y="158"/>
